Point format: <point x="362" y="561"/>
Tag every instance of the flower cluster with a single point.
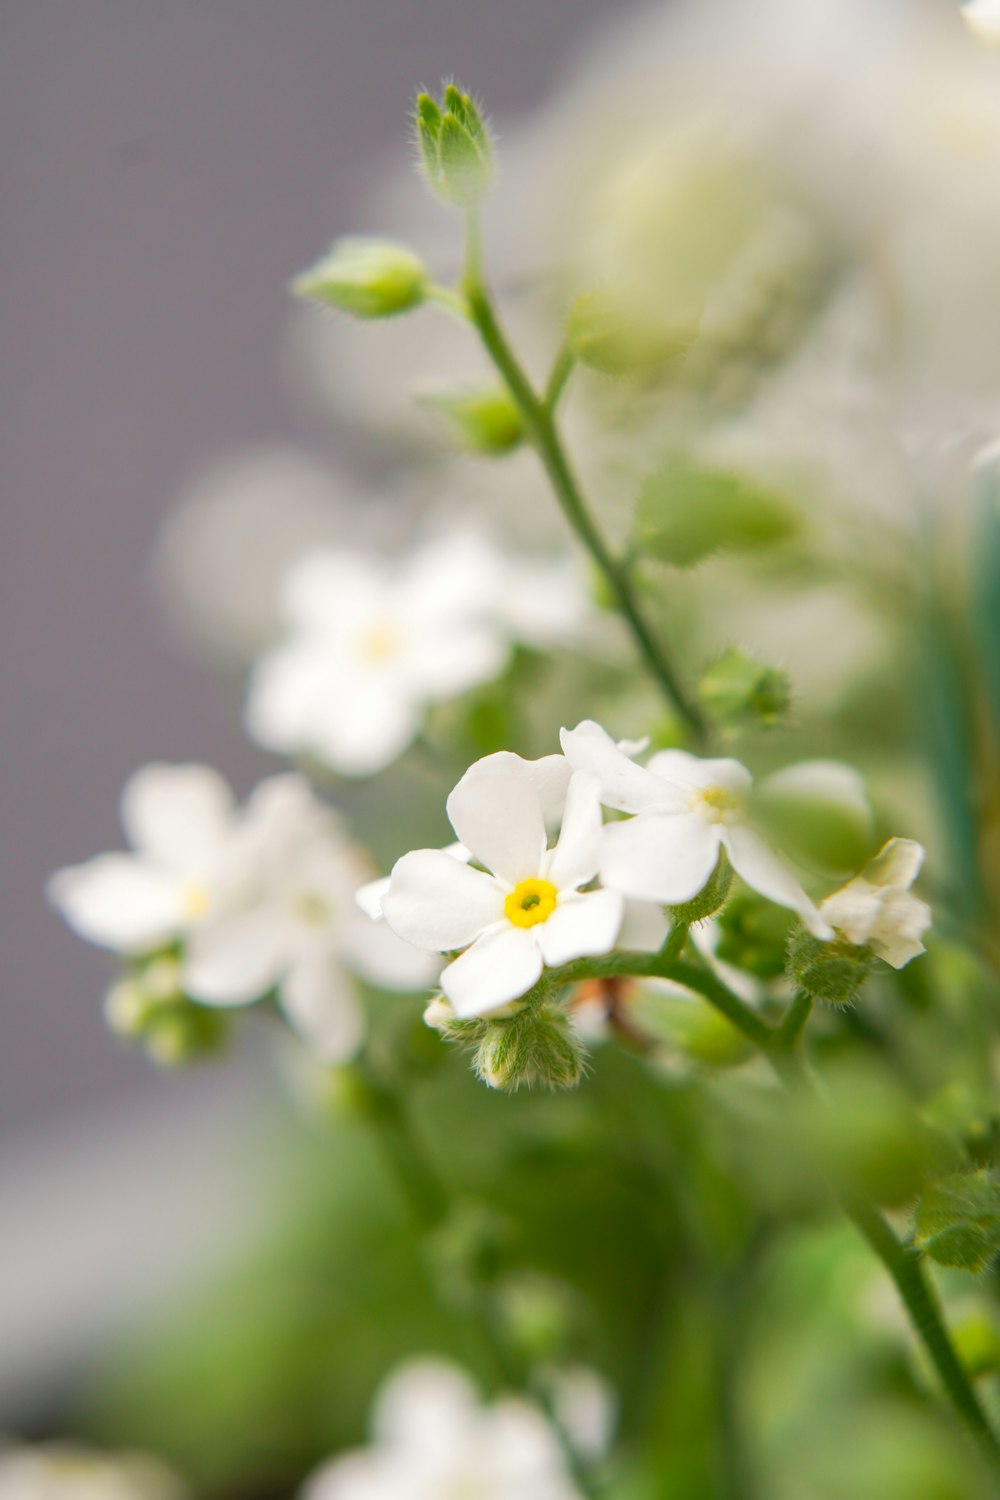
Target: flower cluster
<point x="223" y="905"/>
<point x="372" y="644"/>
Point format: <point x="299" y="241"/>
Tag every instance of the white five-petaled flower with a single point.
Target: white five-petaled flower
<point x="184" y="828"/>
<point x="433" y="1439"/>
<point x="61" y="1472"/>
<point x="877" y="907"/>
<point x="527" y="909"/>
<point x="686" y="811"/>
<point x="372" y="644"/>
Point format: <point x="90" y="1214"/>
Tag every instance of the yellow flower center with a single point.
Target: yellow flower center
<point x="194" y="902"/>
<point x="531" y="902"/>
<point x="379" y="642"/>
<point x="718" y="804"/>
<point x="312" y="909"/>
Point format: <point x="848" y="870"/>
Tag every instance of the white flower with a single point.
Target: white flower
<point x="370" y="896"/>
<point x="301" y="932"/>
<point x="433" y="1440"/>
<point x="686" y="811"/>
<point x="530" y="911"/>
<point x="877" y="908"/>
<point x="372" y="644"/>
<point x="183" y="826"/>
<point x="57" y="1472"/>
<point x="983" y="19"/>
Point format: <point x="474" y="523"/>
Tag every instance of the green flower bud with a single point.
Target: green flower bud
<point x="832" y="972"/>
<point x="736" y="690"/>
<point x="537" y="1314"/>
<point x="483" y="420"/>
<point x="367" y="278"/>
<point x="610" y="333"/>
<point x="455" y="146"/>
<point x="537" y="1045"/>
<point x="688" y="510"/>
<point x="711" y="898"/>
<point x="181" y="1032"/>
<point x="977" y="1342"/>
<point x="127" y="1008"/>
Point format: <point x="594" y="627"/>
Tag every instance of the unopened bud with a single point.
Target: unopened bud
<point x="367" y="278"/>
<point x="483" y="420"/>
<point x="611" y="333"/>
<point x="455" y="146"/>
<point x="182" y="1032"/>
<point x="736" y="690"/>
<point x="831" y="972"/>
<point x="537" y="1045"/>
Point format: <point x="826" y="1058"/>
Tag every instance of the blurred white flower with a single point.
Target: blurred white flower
<point x="61" y="1472"/>
<point x="686" y="812"/>
<point x="433" y="1439"/>
<point x="372" y="643"/>
<point x="530" y="911"/>
<point x="983" y="19"/>
<point x="182" y="823"/>
<point x="371" y="646"/>
<point x="877" y="907"/>
<point x="300" y="931"/>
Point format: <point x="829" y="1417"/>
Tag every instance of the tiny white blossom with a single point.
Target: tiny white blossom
<point x="182" y="823"/>
<point x="301" y="933"/>
<point x="371" y="646"/>
<point x="527" y="908"/>
<point x="433" y="1438"/>
<point x="61" y="1472"/>
<point x="686" y="811"/>
<point x="877" y="907"/>
<point x="983" y="19"/>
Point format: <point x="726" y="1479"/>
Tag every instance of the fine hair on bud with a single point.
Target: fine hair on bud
<point x="536" y="1046"/>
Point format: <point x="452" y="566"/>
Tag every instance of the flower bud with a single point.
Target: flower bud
<point x="832" y="972"/>
<point x="688" y="509"/>
<point x="737" y="691"/>
<point x="711" y="898"/>
<point x="181" y="1032"/>
<point x="609" y="332"/>
<point x="455" y="145"/>
<point x="440" y="1016"/>
<point x="127" y="1008"/>
<point x="367" y="278"/>
<point x="483" y="420"/>
<point x="537" y="1045"/>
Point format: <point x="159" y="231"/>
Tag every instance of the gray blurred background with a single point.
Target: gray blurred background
<point x="163" y="169"/>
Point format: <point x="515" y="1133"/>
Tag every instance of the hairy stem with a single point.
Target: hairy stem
<point x="537" y="414"/>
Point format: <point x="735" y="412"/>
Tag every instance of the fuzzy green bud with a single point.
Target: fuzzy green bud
<point x="367" y="278"/>
<point x="831" y="972"/>
<point x="737" y="691"/>
<point x="536" y="1045"/>
<point x="455" y="146"/>
<point x="483" y="420"/>
<point x="710" y="899"/>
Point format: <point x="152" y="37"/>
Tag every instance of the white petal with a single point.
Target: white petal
<point x="320" y="1000"/>
<point x="369" y="897"/>
<point x="692" y="772"/>
<point x="119" y="902"/>
<point x="624" y="785"/>
<point x="898" y="863"/>
<point x="180" y="816"/>
<point x="328" y="590"/>
<point x="765" y="873"/>
<point x="497" y="813"/>
<point x="664" y="857"/>
<point x="426" y="1406"/>
<point x="455" y="578"/>
<point x="500" y="966"/>
<point x="379" y="955"/>
<point x="644" y="927"/>
<point x="898" y="933"/>
<point x="582" y="925"/>
<point x="437" y="903"/>
<point x="445" y="662"/>
<point x="238" y="960"/>
<point x="574" y="860"/>
<point x="549" y="776"/>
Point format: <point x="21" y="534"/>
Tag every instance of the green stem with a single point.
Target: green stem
<point x="562" y="369"/>
<point x="541" y="432"/>
<point x="902" y="1262"/>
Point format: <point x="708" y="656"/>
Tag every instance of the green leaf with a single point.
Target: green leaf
<point x="958" y="1220"/>
<point x="688" y="510"/>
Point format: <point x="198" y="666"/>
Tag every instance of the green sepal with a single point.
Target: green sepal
<point x="712" y="896"/>
<point x="737" y="691"/>
<point x="455" y="146"/>
<point x="535" y="1045"/>
<point x="831" y="972"/>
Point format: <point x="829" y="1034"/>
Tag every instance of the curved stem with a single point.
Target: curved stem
<point x="540" y="429"/>
<point x="562" y="369"/>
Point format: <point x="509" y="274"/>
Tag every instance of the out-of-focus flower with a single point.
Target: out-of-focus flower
<point x="374" y="643"/>
<point x="687" y="811"/>
<point x="182" y="823"/>
<point x="433" y="1438"/>
<point x="300" y="932"/>
<point x="983" y="19"/>
<point x="877" y="908"/>
<point x="58" y="1472"/>
<point x="530" y="911"/>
